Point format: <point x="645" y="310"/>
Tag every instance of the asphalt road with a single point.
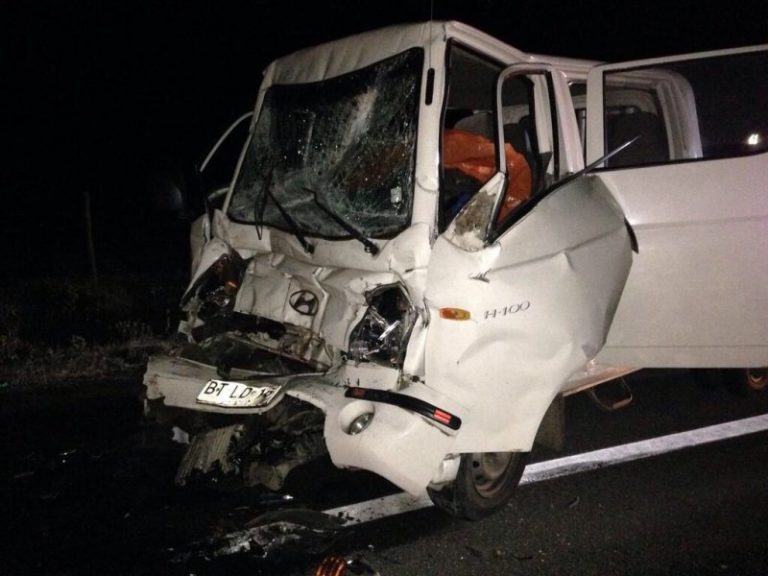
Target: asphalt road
<point x="86" y="489"/>
<point x="703" y="511"/>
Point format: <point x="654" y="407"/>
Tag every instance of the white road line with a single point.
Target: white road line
<point x="380" y="508"/>
<point x="540" y="471"/>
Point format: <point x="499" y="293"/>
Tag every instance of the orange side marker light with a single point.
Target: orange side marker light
<point x="454" y="314"/>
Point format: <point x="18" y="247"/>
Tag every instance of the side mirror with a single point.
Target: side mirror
<point x="177" y="194"/>
<point x="168" y="199"/>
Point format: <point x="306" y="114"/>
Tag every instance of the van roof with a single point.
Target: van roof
<point x="353" y="52"/>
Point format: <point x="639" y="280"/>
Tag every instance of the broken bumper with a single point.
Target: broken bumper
<point x="180" y="383"/>
<point x="407" y="440"/>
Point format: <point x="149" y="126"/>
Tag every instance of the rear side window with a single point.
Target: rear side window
<point x="687" y="110"/>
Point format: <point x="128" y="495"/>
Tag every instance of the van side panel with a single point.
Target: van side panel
<point x="698" y="291"/>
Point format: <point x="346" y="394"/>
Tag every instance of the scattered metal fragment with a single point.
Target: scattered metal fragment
<point x="284" y="532"/>
<point x="179" y="435"/>
<point x="257" y="451"/>
<point x="209" y="451"/>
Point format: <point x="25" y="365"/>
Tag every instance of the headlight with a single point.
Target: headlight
<point x="214" y="292"/>
<point x="360" y="423"/>
<point x="382" y="334"/>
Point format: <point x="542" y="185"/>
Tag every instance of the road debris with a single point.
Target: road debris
<point x="340" y="566"/>
<point x="277" y="534"/>
<point x="179" y="435"/>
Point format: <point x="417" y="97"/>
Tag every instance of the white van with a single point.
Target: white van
<point x="411" y="263"/>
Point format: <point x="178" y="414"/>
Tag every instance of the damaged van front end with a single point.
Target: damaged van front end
<point x="269" y="335"/>
<point x="305" y="316"/>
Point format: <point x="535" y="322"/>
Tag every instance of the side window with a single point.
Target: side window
<point x="530" y="144"/>
<point x="687" y="110"/>
<point x="578" y="92"/>
<point x="468" y="146"/>
<point x="634" y="112"/>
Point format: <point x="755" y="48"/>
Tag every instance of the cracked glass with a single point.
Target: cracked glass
<point x="350" y="140"/>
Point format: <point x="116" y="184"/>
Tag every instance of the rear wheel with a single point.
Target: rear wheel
<point x="484" y="484"/>
<point x="756" y="378"/>
<point x="746" y="380"/>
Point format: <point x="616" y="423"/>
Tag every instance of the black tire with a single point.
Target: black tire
<point x="756" y="379"/>
<point x="745" y="381"/>
<point x="484" y="484"/>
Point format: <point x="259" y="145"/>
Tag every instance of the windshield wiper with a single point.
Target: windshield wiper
<point x="370" y="247"/>
<point x="295" y="229"/>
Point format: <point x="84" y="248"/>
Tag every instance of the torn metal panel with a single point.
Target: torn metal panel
<point x="286" y="437"/>
<point x="257" y="450"/>
<point x="469" y="229"/>
<point x="209" y="452"/>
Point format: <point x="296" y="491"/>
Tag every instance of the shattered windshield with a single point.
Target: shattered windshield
<point x="349" y="140"/>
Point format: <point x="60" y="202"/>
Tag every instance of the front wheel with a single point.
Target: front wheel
<point x="484" y="484"/>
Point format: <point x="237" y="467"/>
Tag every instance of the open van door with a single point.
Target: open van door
<point x="522" y="286"/>
<point x="694" y="189"/>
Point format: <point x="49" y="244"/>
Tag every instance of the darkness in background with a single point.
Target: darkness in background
<point x="111" y="97"/>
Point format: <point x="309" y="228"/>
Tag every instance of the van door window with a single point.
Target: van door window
<point x="578" y="92"/>
<point x="687" y="110"/>
<point x="529" y="123"/>
<point x="468" y="153"/>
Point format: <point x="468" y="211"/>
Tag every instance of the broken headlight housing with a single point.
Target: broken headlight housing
<point x="214" y="293"/>
<point x="382" y="335"/>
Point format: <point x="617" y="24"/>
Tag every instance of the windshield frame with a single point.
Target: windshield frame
<point x="411" y="158"/>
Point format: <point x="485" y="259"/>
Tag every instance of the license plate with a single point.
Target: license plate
<point x="236" y="394"/>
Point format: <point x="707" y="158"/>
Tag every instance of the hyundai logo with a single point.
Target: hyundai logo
<point x="304" y="302"/>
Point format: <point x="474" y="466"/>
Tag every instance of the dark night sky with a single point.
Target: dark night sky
<point x="104" y="95"/>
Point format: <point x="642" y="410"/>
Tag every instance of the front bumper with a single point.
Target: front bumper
<point x="178" y="381"/>
<point x="403" y="446"/>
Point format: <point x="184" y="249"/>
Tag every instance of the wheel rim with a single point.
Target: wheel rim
<point x="489" y="470"/>
<point x="757" y="378"/>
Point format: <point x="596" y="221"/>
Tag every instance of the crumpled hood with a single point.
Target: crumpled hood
<point x="320" y="296"/>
